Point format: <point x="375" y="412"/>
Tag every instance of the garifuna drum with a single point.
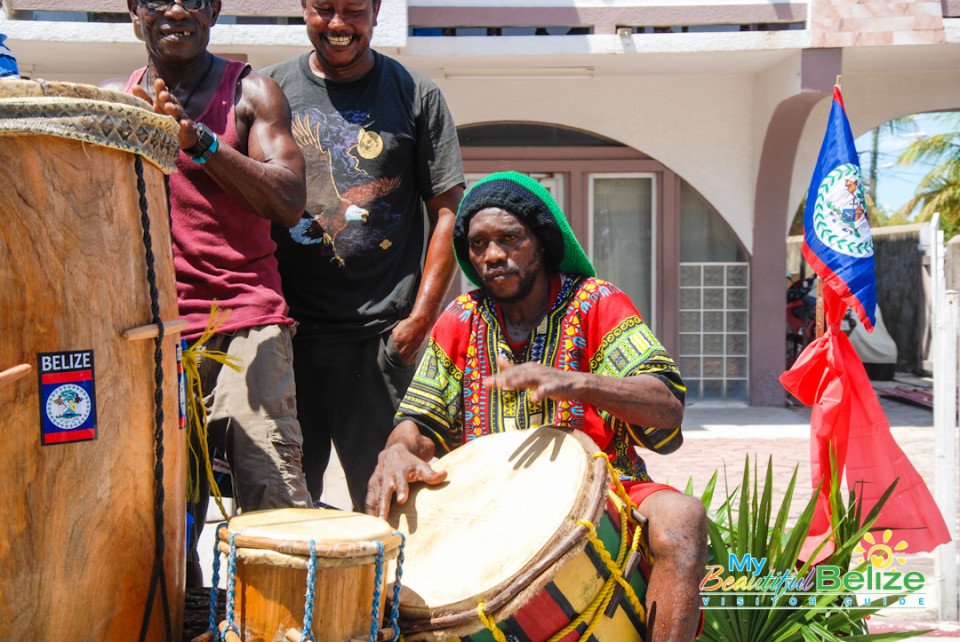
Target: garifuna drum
<point x="523" y="540"/>
<point x="89" y="390"/>
<point x="293" y="573"/>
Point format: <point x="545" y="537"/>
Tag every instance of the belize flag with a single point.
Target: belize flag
<point x="837" y="241"/>
<point x="848" y="428"/>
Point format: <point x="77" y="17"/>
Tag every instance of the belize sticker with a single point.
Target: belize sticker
<point x="68" y="401"/>
<point x="181" y="385"/>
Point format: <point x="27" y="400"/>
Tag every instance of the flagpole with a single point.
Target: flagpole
<point x="820" y="313"/>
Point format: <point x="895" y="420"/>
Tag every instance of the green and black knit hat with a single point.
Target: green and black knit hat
<point x="529" y="201"/>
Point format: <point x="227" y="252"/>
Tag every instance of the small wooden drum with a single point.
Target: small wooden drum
<point x="81" y="286"/>
<point x="525" y="537"/>
<point x="272" y="575"/>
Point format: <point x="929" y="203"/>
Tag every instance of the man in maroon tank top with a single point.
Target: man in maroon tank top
<point x="239" y="170"/>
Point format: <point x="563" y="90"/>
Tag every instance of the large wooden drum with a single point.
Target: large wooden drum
<point x="522" y="541"/>
<point x="78" y="519"/>
<point x="282" y="562"/>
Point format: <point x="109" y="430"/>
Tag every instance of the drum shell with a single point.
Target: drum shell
<point x="272" y="576"/>
<point x="77" y="535"/>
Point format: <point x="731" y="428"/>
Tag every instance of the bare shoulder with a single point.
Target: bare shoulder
<point x="260" y="97"/>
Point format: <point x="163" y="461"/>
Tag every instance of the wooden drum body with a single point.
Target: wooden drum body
<point x="273" y="578"/>
<point x="507" y="534"/>
<point x="77" y="511"/>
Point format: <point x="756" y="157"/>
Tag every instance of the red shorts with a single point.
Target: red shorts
<point x="640" y="490"/>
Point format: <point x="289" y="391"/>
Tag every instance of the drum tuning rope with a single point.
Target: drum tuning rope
<point x="615" y="476"/>
<point x="307" y="634"/>
<point x="159" y="576"/>
<point x="215" y="580"/>
<point x="231" y="587"/>
<point x="375" y="613"/>
<point x="592" y="615"/>
<point x="491" y="625"/>
<point x="397" y="586"/>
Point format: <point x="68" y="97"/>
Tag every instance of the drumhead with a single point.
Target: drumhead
<point x="47" y="89"/>
<point x="507" y="500"/>
<point x="91" y="115"/>
<point x="335" y="533"/>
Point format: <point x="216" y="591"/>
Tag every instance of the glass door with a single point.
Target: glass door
<point x="622" y="232"/>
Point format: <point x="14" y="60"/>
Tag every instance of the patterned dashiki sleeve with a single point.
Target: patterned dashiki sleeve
<point x="434" y="399"/>
<point x="630" y="349"/>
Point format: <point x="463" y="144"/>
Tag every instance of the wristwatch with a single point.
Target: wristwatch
<point x="205" y="147"/>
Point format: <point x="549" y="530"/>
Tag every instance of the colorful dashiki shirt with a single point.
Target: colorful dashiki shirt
<point x="592" y="326"/>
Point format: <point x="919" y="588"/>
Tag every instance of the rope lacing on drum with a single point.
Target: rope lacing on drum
<point x="491" y="625"/>
<point x="592" y="614"/>
<point x="215" y="580"/>
<point x="375" y="611"/>
<point x="231" y="588"/>
<point x="397" y="586"/>
<point x="615" y="476"/>
<point x="159" y="576"/>
<point x="307" y="634"/>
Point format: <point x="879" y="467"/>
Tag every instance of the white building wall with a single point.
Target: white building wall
<point x="700" y="127"/>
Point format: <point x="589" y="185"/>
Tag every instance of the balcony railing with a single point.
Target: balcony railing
<point x="572" y="20"/>
<point x="430" y="18"/>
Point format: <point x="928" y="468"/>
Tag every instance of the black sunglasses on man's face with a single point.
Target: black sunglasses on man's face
<point x="163" y="5"/>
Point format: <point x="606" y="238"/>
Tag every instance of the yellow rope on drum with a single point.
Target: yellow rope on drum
<point x="593" y="613"/>
<point x="197" y="411"/>
<point x="595" y="609"/>
<point x="490" y="624"/>
<point x="615" y="476"/>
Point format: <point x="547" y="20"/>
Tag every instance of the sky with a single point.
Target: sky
<point x="896" y="184"/>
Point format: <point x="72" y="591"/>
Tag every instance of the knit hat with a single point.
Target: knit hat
<point x="529" y="201"/>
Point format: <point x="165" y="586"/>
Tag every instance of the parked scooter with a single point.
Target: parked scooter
<point x="802" y="317"/>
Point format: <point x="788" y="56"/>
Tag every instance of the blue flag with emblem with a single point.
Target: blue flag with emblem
<point x="837" y="242"/>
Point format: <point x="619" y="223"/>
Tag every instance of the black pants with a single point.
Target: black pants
<point x="347" y="393"/>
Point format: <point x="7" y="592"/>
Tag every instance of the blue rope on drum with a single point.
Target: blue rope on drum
<point x="397" y="586"/>
<point x="307" y="634"/>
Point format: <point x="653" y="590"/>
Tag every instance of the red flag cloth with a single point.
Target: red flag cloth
<point x="847" y="416"/>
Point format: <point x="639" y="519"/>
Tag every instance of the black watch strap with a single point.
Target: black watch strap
<point x="204" y="141"/>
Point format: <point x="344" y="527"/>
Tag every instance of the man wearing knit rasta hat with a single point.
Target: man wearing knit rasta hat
<point x="568" y="350"/>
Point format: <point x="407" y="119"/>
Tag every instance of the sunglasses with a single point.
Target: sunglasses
<point x="163" y="5"/>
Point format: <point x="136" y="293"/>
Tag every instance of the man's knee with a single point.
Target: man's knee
<point x="678" y="528"/>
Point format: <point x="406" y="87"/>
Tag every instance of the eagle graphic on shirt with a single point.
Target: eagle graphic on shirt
<point x="329" y="210"/>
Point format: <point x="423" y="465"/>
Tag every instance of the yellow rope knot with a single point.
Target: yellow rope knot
<point x="490" y="624"/>
<point x="621" y="492"/>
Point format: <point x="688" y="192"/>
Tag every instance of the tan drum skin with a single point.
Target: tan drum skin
<point x="77" y="533"/>
<point x="271" y="579"/>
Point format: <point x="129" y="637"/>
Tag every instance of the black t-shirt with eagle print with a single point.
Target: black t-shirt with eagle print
<point x="375" y="149"/>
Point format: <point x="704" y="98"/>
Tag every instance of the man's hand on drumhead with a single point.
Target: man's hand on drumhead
<point x="402" y="462"/>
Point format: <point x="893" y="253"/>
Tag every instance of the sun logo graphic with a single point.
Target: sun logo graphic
<point x="881" y="554"/>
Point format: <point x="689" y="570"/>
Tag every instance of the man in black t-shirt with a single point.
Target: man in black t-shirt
<point x="364" y="272"/>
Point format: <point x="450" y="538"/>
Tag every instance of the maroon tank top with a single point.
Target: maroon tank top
<point x="222" y="251"/>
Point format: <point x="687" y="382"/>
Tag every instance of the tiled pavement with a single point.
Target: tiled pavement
<point x="718" y="437"/>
